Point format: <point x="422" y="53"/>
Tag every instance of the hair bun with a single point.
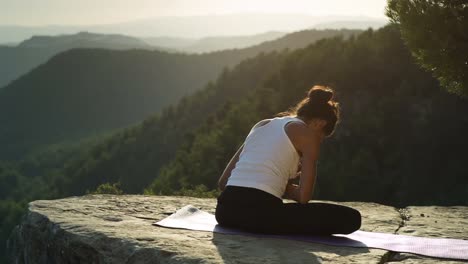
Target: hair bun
<point x="320" y="94"/>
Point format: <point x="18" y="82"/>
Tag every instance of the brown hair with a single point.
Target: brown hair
<point x="318" y="104"/>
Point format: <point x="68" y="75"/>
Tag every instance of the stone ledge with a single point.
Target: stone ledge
<point x="118" y="229"/>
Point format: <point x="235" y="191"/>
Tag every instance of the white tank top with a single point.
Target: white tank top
<point x="268" y="159"/>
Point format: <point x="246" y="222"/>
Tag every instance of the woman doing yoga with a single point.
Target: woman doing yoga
<point x="260" y="174"/>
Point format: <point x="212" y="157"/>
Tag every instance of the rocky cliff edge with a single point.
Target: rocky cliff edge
<point x="118" y="229"/>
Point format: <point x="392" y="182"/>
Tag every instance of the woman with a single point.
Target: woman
<point x="259" y="174"/>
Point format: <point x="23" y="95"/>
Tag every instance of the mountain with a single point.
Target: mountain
<point x="85" y="40"/>
<point x="352" y="24"/>
<point x="82" y="92"/>
<point x="18" y="60"/>
<point x="187" y="26"/>
<point x="9" y="44"/>
<point x="173" y="42"/>
<point x="210" y="44"/>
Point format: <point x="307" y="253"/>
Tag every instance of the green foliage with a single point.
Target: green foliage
<point x="436" y="33"/>
<point x="34" y="177"/>
<point x="200" y="191"/>
<point x="10" y="212"/>
<point x="107" y="188"/>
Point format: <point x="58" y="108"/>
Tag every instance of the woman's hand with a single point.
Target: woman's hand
<point x="299" y="169"/>
<point x="291" y="191"/>
<point x="298" y="175"/>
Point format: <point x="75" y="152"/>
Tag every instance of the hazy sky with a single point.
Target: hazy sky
<point x="81" y="12"/>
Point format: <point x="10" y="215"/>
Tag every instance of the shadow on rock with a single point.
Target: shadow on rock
<point x="258" y="249"/>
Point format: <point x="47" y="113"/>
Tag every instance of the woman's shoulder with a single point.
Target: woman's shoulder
<point x="297" y="131"/>
<point x="262" y="122"/>
<point x="289" y="119"/>
<point x="295" y="127"/>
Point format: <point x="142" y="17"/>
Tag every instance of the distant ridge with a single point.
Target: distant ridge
<point x="188" y="26"/>
<point x="352" y="24"/>
<point x="215" y="43"/>
<point x="85" y="40"/>
<point x="18" y="60"/>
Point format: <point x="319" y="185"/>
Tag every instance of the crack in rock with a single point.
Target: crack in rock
<point x="391" y="256"/>
<point x="404" y="215"/>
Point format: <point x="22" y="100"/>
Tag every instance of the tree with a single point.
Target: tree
<point x="436" y="32"/>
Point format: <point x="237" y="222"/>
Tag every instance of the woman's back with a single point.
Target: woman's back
<point x="268" y="159"/>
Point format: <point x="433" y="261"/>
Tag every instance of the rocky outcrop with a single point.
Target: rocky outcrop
<point x="118" y="229"/>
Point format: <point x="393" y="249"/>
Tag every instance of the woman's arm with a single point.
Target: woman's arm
<point x="227" y="171"/>
<point x="308" y="175"/>
<point x="308" y="143"/>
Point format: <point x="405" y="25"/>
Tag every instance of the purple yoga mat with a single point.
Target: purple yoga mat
<point x="189" y="217"/>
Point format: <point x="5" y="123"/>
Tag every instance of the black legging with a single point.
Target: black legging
<point x="257" y="211"/>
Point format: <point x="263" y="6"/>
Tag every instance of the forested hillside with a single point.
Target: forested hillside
<point x="85" y="92"/>
<point x="29" y="179"/>
<point x="159" y="137"/>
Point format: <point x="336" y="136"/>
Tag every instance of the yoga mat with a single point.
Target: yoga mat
<point x="189" y="217"/>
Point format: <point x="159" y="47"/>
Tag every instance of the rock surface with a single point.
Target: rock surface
<point x="118" y="229"/>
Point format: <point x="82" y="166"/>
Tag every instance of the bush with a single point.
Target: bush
<point x="107" y="188"/>
<point x="200" y="191"/>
